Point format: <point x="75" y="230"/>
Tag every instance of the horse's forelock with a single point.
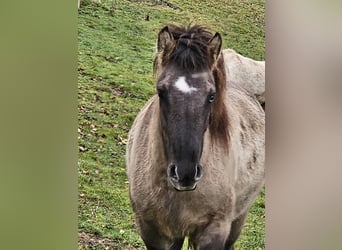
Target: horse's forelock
<point x="189" y="50"/>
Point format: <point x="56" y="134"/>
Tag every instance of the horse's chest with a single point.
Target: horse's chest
<point x="186" y="214"/>
<point x="185" y="218"/>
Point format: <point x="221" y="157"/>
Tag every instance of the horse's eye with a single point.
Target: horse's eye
<point x="161" y="93"/>
<point x="211" y="98"/>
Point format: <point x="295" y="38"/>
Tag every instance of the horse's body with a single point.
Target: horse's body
<point x="209" y="201"/>
<point x="246" y="72"/>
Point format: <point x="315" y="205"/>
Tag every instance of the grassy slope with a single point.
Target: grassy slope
<point x="116" y="47"/>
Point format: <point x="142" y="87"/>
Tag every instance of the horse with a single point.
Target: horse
<point x="195" y="152"/>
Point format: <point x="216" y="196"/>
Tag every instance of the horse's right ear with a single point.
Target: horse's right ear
<point x="165" y="39"/>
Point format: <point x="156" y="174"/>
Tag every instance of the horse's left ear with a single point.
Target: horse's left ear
<point x="215" y="44"/>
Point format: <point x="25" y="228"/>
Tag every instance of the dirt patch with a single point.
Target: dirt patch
<point x="92" y="241"/>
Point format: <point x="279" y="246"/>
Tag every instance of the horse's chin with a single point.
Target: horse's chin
<point x="180" y="188"/>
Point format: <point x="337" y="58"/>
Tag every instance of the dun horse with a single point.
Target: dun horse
<point x="195" y="153"/>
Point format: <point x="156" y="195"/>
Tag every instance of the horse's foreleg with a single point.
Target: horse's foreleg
<point x="214" y="236"/>
<point x="235" y="231"/>
<point x="158" y="244"/>
<point x="177" y="244"/>
<point x="155" y="240"/>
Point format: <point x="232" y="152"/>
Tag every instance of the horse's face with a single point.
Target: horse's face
<point x="186" y="89"/>
<point x="185" y="100"/>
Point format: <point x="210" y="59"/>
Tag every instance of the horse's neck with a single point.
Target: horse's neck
<point x="157" y="151"/>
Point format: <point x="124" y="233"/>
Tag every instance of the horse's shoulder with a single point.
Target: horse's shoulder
<point x="245" y="111"/>
<point x="237" y="95"/>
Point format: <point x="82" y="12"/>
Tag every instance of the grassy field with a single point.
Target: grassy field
<point x="116" y="48"/>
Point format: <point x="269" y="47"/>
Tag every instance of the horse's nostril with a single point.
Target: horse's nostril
<point x="198" y="173"/>
<point x="173" y="172"/>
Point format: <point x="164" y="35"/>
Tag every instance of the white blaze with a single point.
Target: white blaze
<point x="183" y="86"/>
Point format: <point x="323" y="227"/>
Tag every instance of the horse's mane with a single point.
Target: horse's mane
<point x="219" y="125"/>
<point x="190" y="50"/>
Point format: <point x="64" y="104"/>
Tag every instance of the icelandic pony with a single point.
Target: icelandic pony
<point x="195" y="153"/>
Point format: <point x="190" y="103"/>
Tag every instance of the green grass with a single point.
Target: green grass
<point x="116" y="48"/>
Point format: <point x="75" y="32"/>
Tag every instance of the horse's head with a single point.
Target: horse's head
<point x="187" y="76"/>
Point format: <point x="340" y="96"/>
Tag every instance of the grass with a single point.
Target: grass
<point x="116" y="48"/>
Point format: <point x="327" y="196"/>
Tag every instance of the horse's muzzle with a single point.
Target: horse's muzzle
<point x="184" y="181"/>
<point x="183" y="188"/>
